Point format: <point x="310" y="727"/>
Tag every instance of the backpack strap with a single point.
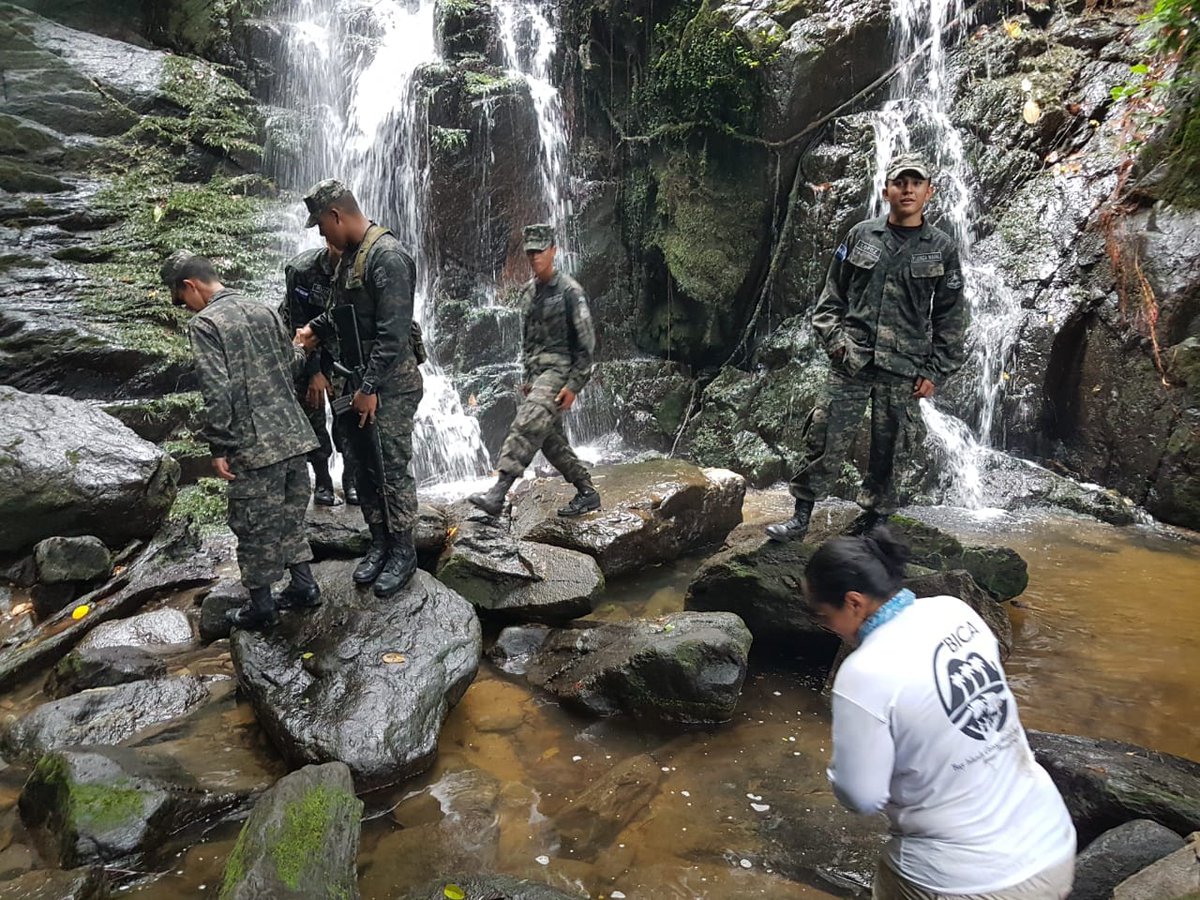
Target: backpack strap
<point x="374" y="233"/>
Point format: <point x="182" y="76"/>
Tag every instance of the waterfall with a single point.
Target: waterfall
<point x="351" y="79"/>
<point x="917" y="116"/>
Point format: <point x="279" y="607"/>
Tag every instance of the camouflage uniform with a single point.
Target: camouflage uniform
<point x="383" y="307"/>
<point x="891" y="311"/>
<point x="309" y="277"/>
<point x="559" y="341"/>
<point x="247" y="366"/>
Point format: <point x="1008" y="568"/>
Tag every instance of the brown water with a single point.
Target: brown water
<point x="1108" y="646"/>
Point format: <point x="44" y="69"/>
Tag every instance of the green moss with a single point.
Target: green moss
<point x="72" y="457"/>
<point x="448" y="141"/>
<point x="306" y="825"/>
<point x="235" y="866"/>
<point x="204" y="502"/>
<point x="484" y="84"/>
<point x="100" y="808"/>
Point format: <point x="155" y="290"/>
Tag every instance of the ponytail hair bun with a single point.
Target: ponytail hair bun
<point x="872" y="564"/>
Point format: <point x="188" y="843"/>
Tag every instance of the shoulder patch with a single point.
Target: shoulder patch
<point x="954" y="280"/>
<point x="841" y="252"/>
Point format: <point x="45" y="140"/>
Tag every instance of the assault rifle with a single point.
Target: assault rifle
<point x="352" y="366"/>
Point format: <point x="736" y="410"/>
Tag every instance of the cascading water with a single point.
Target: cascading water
<point x="917" y="117"/>
<point x="352" y="76"/>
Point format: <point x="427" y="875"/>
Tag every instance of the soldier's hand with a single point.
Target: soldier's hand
<point x="318" y="389"/>
<point x="565" y="399"/>
<point x="221" y="467"/>
<point x="365" y="405"/>
<point x="923" y="389"/>
<point x="306" y="338"/>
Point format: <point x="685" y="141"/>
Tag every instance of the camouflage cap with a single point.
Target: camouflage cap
<point x="908" y="162"/>
<point x="169" y="273"/>
<point x="538" y="237"/>
<point x="321" y="196"/>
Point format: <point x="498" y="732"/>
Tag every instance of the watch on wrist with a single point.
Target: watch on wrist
<point x="366" y="389"/>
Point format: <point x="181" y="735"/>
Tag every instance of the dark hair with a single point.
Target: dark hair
<point x="196" y="268"/>
<point x="346" y="203"/>
<point x="872" y="564"/>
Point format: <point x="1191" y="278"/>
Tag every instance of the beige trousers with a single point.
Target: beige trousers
<point x="1053" y="883"/>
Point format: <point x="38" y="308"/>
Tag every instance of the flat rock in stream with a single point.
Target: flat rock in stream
<point x="106" y="715"/>
<point x="489" y="887"/>
<point x="300" y="841"/>
<point x="1108" y="783"/>
<point x="1118" y="854"/>
<point x="522" y="580"/>
<point x="339" y="532"/>
<point x="102" y="667"/>
<point x="111" y="806"/>
<point x="683" y="668"/>
<point x="1175" y="875"/>
<point x="364" y="681"/>
<point x="653" y="512"/>
<point x="162" y="628"/>
<point x="53" y="884"/>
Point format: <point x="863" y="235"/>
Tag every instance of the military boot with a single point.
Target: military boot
<point x="586" y="500"/>
<point x="349" y="489"/>
<point x="867" y="521"/>
<point x="400" y="565"/>
<point x="323" y="494"/>
<point x="371" y="565"/>
<point x="492" y="501"/>
<point x="303" y="591"/>
<point x="258" y="614"/>
<point x="794" y="528"/>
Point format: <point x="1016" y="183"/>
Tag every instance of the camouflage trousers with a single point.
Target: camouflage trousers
<point x="539" y="426"/>
<point x="832" y="428"/>
<point x="395" y="486"/>
<point x="322" y="431"/>
<point x="266" y="512"/>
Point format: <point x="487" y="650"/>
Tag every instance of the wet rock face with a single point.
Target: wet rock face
<point x="1108" y="783"/>
<point x="103" y="667"/>
<point x="519" y="579"/>
<point x="364" y="681"/>
<point x="300" y="841"/>
<point x="651" y="397"/>
<point x="111" y="806"/>
<point x="482" y="887"/>
<point x="51" y="884"/>
<point x="1119" y="853"/>
<point x="684" y="668"/>
<point x="69" y="469"/>
<point x="652" y="512"/>
<point x="339" y="532"/>
<point x="160" y="628"/>
<point x="60" y="559"/>
<point x="1175" y="875"/>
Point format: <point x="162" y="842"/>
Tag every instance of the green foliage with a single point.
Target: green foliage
<point x="707" y="74"/>
<point x="448" y="141"/>
<point x="204" y="502"/>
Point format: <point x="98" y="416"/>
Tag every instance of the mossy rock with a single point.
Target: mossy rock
<point x="300" y="841"/>
<point x="999" y="570"/>
<point x="205" y="503"/>
<point x="18" y="178"/>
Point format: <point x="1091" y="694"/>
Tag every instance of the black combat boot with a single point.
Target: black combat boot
<point x="258" y="614"/>
<point x="371" y="565"/>
<point x="794" y="528"/>
<point x="303" y="592"/>
<point x="349" y="488"/>
<point x="492" y="501"/>
<point x="866" y="521"/>
<point x="323" y="494"/>
<point x="586" y="500"/>
<point x="400" y="565"/>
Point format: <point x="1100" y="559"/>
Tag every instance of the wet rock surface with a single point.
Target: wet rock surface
<point x="1118" y="854"/>
<point x="364" y="681"/>
<point x="652" y="512"/>
<point x="51" y="884"/>
<point x="159" y="628"/>
<point x="683" y="668"/>
<point x="300" y="841"/>
<point x="519" y="579"/>
<point x="69" y="469"/>
<point x="82" y="669"/>
<point x="112" y="806"/>
<point x="482" y="887"/>
<point x="1175" y="875"/>
<point x="1108" y="783"/>
<point x="60" y="559"/>
<point x="339" y="532"/>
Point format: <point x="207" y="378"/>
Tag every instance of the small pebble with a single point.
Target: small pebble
<point x="746" y="864"/>
<point x="542" y="860"/>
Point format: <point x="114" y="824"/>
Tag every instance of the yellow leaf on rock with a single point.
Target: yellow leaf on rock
<point x="454" y="892"/>
<point x="1012" y="29"/>
<point x="80" y="611"/>
<point x="159" y="212"/>
<point x="1031" y="112"/>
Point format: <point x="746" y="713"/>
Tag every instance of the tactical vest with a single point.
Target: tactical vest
<point x="416" y="340"/>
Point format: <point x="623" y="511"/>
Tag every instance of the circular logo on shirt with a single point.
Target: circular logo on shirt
<point x="972" y="692"/>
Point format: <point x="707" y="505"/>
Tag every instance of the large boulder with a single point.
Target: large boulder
<point x="653" y="512"/>
<point x="1109" y="783"/>
<point x="106" y="715"/>
<point x="998" y="570"/>
<point x="69" y="469"/>
<point x="339" y="532"/>
<point x="65" y="559"/>
<point x="1119" y="853"/>
<point x="683" y="668"/>
<point x="1175" y="875"/>
<point x="361" y="680"/>
<point x="483" y="887"/>
<point x="52" y="884"/>
<point x="112" y="806"/>
<point x="159" y="628"/>
<point x="520" y="579"/>
<point x="102" y="667"/>
<point x="300" y="841"/>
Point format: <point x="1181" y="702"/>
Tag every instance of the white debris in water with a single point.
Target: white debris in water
<point x="576" y="758"/>
<point x="746" y="864"/>
<point x="542" y="860"/>
<point x="685" y="793"/>
<point x="617" y="895"/>
<point x="760" y="807"/>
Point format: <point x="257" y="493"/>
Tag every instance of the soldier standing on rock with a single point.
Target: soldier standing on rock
<point x="256" y="431"/>
<point x="892" y="319"/>
<point x="377" y="279"/>
<point x="559" y="341"/>
<point x="309" y="277"/>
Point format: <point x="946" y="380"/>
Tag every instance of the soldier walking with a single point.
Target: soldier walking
<point x="377" y="279"/>
<point x="892" y="319"/>
<point x="309" y="278"/>
<point x="559" y="341"/>
<point x="256" y="431"/>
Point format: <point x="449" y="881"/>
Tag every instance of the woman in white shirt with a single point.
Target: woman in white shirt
<point x="925" y="729"/>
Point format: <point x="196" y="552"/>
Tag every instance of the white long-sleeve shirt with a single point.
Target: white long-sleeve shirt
<point x="926" y="729"/>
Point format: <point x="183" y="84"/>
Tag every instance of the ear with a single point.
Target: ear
<point x="857" y="601"/>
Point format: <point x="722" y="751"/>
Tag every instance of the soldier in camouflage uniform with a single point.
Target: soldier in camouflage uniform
<point x="892" y="319"/>
<point x="256" y="431"/>
<point x="377" y="278"/>
<point x="559" y="341"/>
<point x="309" y="278"/>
